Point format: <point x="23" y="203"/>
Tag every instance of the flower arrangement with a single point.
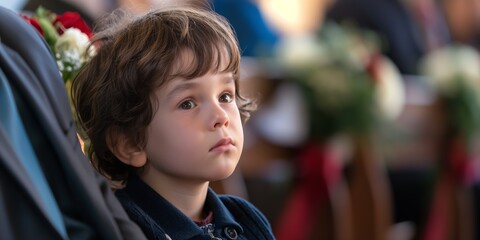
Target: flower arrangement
<point x="68" y="38"/>
<point x="454" y="72"/>
<point x="348" y="85"/>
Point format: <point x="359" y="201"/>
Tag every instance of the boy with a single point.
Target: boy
<point x="161" y="105"/>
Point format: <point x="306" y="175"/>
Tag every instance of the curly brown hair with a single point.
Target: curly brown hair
<point x="114" y="92"/>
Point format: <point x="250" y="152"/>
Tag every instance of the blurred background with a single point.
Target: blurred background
<point x="368" y="112"/>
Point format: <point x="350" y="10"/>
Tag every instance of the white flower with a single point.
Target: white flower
<point x="71" y="46"/>
<point x="298" y="52"/>
<point x="446" y="66"/>
<point x="390" y="91"/>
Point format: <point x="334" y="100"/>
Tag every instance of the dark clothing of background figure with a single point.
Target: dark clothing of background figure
<point x="255" y="36"/>
<point x="88" y="207"/>
<point x="389" y="18"/>
<point x="233" y="218"/>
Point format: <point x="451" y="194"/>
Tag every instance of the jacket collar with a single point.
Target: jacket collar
<point x="176" y="224"/>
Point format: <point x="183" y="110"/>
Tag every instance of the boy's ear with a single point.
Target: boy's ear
<point x="125" y="150"/>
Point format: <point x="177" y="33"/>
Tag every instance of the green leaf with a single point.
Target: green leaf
<point x="49" y="32"/>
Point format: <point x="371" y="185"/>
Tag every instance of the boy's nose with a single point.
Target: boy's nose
<point x="219" y="117"/>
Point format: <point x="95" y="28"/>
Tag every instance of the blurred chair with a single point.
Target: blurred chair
<point x="426" y="168"/>
<point x="463" y="20"/>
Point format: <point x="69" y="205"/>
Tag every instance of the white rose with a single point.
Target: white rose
<point x="467" y="65"/>
<point x="72" y="44"/>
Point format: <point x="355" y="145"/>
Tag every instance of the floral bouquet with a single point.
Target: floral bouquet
<point x="68" y="38"/>
<point x="454" y="72"/>
<point x="348" y="85"/>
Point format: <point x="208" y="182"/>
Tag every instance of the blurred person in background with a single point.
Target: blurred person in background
<point x="392" y="21"/>
<point x="463" y="20"/>
<point x="48" y="189"/>
<point x="255" y="35"/>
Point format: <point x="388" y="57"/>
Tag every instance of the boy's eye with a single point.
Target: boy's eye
<point x="189" y="104"/>
<point x="226" y="98"/>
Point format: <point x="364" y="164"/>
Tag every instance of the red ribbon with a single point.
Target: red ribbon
<point x="318" y="172"/>
<point x="459" y="171"/>
<point x="460" y="164"/>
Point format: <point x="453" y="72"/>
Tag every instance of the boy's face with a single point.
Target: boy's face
<point x="196" y="133"/>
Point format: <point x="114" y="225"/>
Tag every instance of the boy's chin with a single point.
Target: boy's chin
<point x="222" y="175"/>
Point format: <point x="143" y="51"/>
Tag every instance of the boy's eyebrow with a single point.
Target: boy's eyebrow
<point x="186" y="85"/>
<point x="228" y="79"/>
<point x="180" y="87"/>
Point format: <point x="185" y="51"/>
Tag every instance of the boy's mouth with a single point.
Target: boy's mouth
<point x="222" y="144"/>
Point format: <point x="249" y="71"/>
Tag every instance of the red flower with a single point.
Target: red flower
<point x="34" y="23"/>
<point x="72" y="20"/>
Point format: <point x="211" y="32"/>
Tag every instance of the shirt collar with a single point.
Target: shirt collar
<point x="176" y="224"/>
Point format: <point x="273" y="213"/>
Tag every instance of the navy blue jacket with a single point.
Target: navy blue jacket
<point x="233" y="217"/>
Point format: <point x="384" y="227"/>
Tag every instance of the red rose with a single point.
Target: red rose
<point x="72" y="20"/>
<point x="34" y="23"/>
